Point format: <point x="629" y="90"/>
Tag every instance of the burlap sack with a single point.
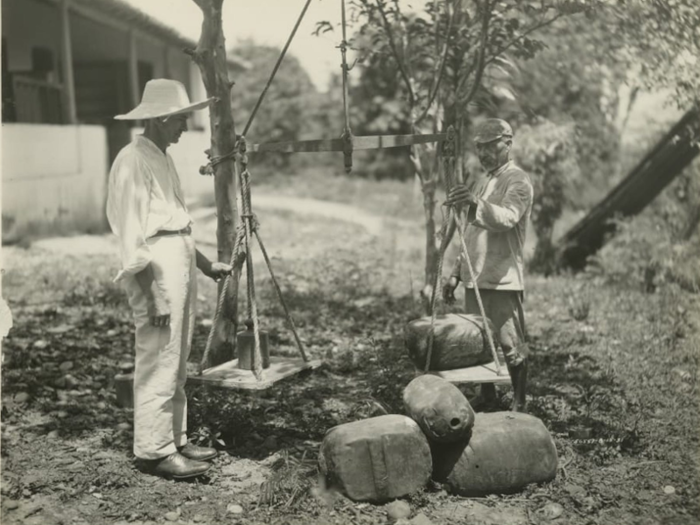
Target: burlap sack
<point x="459" y="342"/>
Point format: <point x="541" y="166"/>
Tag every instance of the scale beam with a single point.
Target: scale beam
<point x="358" y="143"/>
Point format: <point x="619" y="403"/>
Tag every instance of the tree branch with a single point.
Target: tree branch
<point x="532" y="29"/>
<point x="440" y="70"/>
<point x="480" y="63"/>
<point x="395" y="51"/>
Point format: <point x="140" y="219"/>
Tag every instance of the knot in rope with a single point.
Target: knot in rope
<point x="215" y="160"/>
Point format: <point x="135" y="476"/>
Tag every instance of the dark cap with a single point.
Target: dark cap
<point x="492" y="129"/>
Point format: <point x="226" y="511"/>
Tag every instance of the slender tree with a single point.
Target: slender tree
<point x="210" y="57"/>
<point x="446" y="58"/>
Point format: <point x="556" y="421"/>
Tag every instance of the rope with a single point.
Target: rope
<point x="449" y="166"/>
<point x="244" y="178"/>
<point x="290" y="321"/>
<point x="235" y="254"/>
<point x="487" y="329"/>
<point x="433" y="296"/>
<point x="347" y="135"/>
<point x="449" y="160"/>
<point x="274" y="70"/>
<point x="214" y="161"/>
<point x="245" y="231"/>
<point x="343" y="49"/>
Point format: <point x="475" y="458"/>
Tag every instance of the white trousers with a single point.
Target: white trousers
<point x="160" y="404"/>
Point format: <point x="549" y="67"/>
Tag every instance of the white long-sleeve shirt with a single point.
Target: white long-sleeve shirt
<point x="495" y="234"/>
<point x="144" y="196"/>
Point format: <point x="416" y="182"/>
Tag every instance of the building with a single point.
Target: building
<point x="69" y="66"/>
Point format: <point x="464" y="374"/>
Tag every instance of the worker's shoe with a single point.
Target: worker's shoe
<point x="177" y="466"/>
<point x="518" y="376"/>
<point x="191" y="451"/>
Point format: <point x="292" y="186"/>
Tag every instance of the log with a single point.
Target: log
<point x="210" y="57"/>
<point x="643" y="183"/>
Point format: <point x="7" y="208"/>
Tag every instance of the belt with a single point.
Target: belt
<point x="184" y="231"/>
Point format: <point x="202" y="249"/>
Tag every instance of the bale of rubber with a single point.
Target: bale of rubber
<point x="439" y="408"/>
<point x="376" y="459"/>
<point x="506" y="452"/>
<point x="459" y="341"/>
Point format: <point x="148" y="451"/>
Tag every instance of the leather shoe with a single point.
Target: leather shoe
<point x="177" y="466"/>
<point x="191" y="451"/>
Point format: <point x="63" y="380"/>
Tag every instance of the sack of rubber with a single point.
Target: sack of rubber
<point x="506" y="452"/>
<point x="439" y="408"/>
<point x="376" y="459"/>
<point x="459" y="341"/>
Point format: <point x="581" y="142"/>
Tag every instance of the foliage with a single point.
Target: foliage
<point x="665" y="261"/>
<point x="578" y="90"/>
<point x="545" y="151"/>
<point x="636" y="45"/>
<point x="289" y="108"/>
<point x="666" y="233"/>
<point x="440" y="54"/>
<point x="663" y="39"/>
<point x="426" y="68"/>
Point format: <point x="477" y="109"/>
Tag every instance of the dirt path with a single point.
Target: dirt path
<point x="374" y="224"/>
<point x="205" y="220"/>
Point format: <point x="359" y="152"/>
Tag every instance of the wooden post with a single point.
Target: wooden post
<point x="166" y="61"/>
<point x="210" y="56"/>
<point x="67" y="64"/>
<point x="133" y="70"/>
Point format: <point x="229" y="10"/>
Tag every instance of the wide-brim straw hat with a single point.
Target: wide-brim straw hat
<point x="163" y="98"/>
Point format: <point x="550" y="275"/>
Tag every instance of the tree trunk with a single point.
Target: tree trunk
<point x="210" y="57"/>
<point x="692" y="224"/>
<point x="432" y="252"/>
<point x="544" y="259"/>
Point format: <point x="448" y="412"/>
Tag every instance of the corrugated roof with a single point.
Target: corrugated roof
<point x="126" y="13"/>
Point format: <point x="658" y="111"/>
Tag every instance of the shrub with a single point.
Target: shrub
<point x="545" y="150"/>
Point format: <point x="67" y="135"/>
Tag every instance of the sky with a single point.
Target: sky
<point x="267" y="22"/>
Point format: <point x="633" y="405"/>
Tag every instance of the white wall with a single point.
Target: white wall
<point x="200" y="119"/>
<point x="53" y="179"/>
<point x="188" y="155"/>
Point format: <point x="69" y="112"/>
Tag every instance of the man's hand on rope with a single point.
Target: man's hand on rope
<point x="218" y="271"/>
<point x="459" y="195"/>
<point x="448" y="290"/>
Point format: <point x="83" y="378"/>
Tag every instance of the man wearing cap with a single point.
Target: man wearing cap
<point x="499" y="209"/>
<point x="147" y="212"/>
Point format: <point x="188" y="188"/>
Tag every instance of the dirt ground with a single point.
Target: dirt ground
<point x="614" y="378"/>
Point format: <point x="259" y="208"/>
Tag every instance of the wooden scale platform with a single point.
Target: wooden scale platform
<point x="228" y="375"/>
<point x="475" y="375"/>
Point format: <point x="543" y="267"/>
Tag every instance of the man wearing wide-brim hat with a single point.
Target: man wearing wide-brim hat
<point x="500" y="205"/>
<point x="147" y="212"/>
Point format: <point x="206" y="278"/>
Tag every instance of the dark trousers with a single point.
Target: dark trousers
<point x="505" y="310"/>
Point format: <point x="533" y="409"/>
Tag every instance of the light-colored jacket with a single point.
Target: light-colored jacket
<point x="495" y="234"/>
<point x="144" y="196"/>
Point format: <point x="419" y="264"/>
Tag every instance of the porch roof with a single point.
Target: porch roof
<point x="123" y="12"/>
